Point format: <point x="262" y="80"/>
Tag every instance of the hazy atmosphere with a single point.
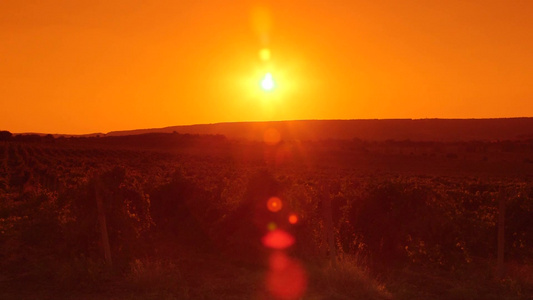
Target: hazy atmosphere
<point x="267" y="150"/>
<point x="98" y="66"/>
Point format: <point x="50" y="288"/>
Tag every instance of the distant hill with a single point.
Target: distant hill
<point x="445" y="130"/>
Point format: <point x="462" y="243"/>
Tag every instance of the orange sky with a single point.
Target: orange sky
<point x="96" y="66"/>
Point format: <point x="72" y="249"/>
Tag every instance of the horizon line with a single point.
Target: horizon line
<point x="272" y="121"/>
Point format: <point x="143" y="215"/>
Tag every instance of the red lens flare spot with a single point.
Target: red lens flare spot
<point x="293" y="219"/>
<point x="271" y="136"/>
<point x="274" y="204"/>
<point x="287" y="278"/>
<point x="278" y="260"/>
<point x="278" y="239"/>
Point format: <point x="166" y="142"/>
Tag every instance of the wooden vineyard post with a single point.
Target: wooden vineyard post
<point x="328" y="222"/>
<point x="103" y="225"/>
<point x="500" y="271"/>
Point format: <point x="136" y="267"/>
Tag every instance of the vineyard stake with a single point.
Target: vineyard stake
<point x="328" y="215"/>
<point x="501" y="236"/>
<point x="102" y="223"/>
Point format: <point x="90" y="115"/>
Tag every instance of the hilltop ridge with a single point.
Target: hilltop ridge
<point x="445" y="130"/>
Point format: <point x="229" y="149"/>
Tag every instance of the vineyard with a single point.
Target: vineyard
<point x="171" y="216"/>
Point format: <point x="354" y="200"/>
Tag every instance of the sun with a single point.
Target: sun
<point x="267" y="83"/>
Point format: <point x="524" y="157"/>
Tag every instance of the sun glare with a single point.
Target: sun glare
<point x="267" y="83"/>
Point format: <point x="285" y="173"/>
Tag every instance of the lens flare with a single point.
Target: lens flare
<point x="286" y="278"/>
<point x="271" y="136"/>
<point x="278" y="239"/>
<point x="274" y="204"/>
<point x="264" y="54"/>
<point x="278" y="260"/>
<point x="272" y="226"/>
<point x="293" y="219"/>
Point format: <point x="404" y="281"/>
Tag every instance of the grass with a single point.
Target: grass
<point x="347" y="278"/>
<point x="470" y="282"/>
<point x="211" y="276"/>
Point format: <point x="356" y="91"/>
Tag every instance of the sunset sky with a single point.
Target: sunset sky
<point x="96" y="66"/>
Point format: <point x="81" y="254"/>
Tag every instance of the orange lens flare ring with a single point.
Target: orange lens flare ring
<point x="274" y="204"/>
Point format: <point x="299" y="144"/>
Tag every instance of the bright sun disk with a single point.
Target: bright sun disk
<point x="267" y="83"/>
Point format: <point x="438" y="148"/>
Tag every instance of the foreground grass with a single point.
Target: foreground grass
<point x="213" y="277"/>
